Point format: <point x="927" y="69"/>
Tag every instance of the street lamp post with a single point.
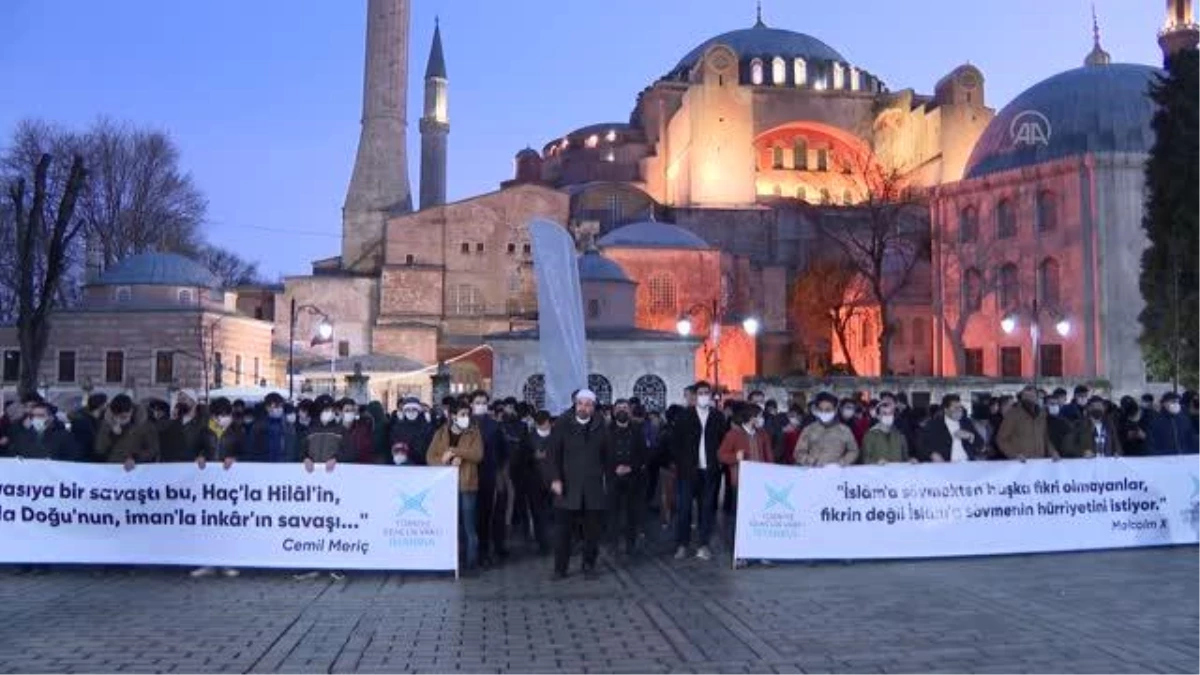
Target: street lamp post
<point x="324" y="333"/>
<point x="1062" y="325"/>
<point x="684" y="327"/>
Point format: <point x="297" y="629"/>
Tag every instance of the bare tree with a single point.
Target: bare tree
<point x="230" y="268"/>
<point x="969" y="271"/>
<point x="42" y="246"/>
<point x="885" y="244"/>
<point x="828" y="297"/>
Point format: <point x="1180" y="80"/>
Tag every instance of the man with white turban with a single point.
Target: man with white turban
<point x="578" y="452"/>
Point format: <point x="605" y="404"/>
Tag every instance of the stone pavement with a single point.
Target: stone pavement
<point x="1123" y="611"/>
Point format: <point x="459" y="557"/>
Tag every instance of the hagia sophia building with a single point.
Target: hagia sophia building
<point x="714" y="195"/>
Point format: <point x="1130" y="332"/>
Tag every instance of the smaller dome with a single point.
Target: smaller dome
<point x="529" y="153"/>
<point x="595" y="267"/>
<point x="158" y="269"/>
<point x="652" y="234"/>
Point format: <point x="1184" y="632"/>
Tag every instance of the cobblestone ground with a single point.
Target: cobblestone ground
<point x="1126" y="611"/>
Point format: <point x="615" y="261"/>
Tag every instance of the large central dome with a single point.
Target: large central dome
<point x="765" y="42"/>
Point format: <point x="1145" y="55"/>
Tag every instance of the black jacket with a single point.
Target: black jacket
<point x="55" y="442"/>
<point x="578" y="455"/>
<point x="84" y="426"/>
<point x="935" y="438"/>
<point x="628" y="447"/>
<point x="686" y="437"/>
<point x="416" y="434"/>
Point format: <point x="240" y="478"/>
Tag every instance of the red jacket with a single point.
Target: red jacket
<point x="755" y="449"/>
<point x="360" y="442"/>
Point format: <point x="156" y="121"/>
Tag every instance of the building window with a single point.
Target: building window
<point x="1006" y="220"/>
<point x="1010" y="287"/>
<point x="756" y="71"/>
<point x="466" y="248"/>
<point x="66" y="366"/>
<point x="652" y="391"/>
<point x="968" y="225"/>
<point x="237" y="369"/>
<point x="512" y="249"/>
<point x="839" y="76"/>
<point x="1048" y="282"/>
<point x="847" y="198"/>
<point x="601" y="387"/>
<point x="663" y="299"/>
<point x="12" y="365"/>
<point x="258" y="313"/>
<point x="973" y="362"/>
<point x="409" y="259"/>
<point x="823" y="159"/>
<point x="1010" y="362"/>
<point x="778" y="72"/>
<point x="123" y="294"/>
<point x="526" y="249"/>
<point x="114" y="367"/>
<point x="1051" y="360"/>
<point x="800" y="154"/>
<point x="800" y="72"/>
<point x="898" y="333"/>
<point x="534" y="391"/>
<point x="185" y="296"/>
<point x="825" y="197"/>
<point x="1047" y="211"/>
<point x="854" y="75"/>
<point x="466" y="300"/>
<point x="593" y="308"/>
<point x="257" y="374"/>
<point x="868" y="328"/>
<point x="918" y="332"/>
<point x="218" y="374"/>
<point x="479" y="247"/>
<point x="777" y="157"/>
<point x="802" y="194"/>
<point x="343" y="349"/>
<point x="972" y="291"/>
<point x="164" y="367"/>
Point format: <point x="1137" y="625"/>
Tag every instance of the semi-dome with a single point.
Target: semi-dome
<point x="158" y="269"/>
<point x="595" y="267"/>
<point x="762" y="41"/>
<point x="652" y="234"/>
<point x="1096" y="108"/>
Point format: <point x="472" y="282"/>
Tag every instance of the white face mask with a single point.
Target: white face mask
<point x="479" y="409"/>
<point x="1173" y="408"/>
<point x="348" y="418"/>
<point x="399" y="458"/>
<point x="887" y="420"/>
<point x="290" y="417"/>
<point x="224" y="421"/>
<point x="847" y="413"/>
<point x="544" y="433"/>
<point x="794" y="421"/>
<point x="38" y="423"/>
<point x="825" y="416"/>
<point x="750" y="427"/>
<point x="462" y="422"/>
<point x="1053" y="408"/>
<point x="411" y="415"/>
<point x="326" y="416"/>
<point x="703" y="401"/>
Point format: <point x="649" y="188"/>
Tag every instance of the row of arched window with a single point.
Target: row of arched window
<point x="1008" y="286"/>
<point x="800" y="157"/>
<point x="818" y="75"/>
<point x="650" y="389"/>
<point x="1046" y="213"/>
<point x="824" y="196"/>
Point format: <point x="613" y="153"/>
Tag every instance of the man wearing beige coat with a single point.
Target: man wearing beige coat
<point x="827" y="441"/>
<point x="1024" y="432"/>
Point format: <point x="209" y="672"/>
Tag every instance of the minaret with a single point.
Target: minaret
<point x="1097" y="57"/>
<point x="435" y="126"/>
<point x="379" y="186"/>
<point x="1180" y="31"/>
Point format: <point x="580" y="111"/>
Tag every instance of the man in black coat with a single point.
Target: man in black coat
<point x="45" y="437"/>
<point x="950" y="435"/>
<point x="579" y="449"/>
<point x="696" y="438"/>
<point x="626" y="475"/>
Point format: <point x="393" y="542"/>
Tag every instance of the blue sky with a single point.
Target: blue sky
<point x="264" y="96"/>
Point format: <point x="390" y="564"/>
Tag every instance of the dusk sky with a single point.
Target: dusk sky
<point x="264" y="96"/>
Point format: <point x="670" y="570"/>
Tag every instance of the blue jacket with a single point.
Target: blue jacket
<point x="1172" y="435"/>
<point x="272" y="440"/>
<point x="495" y="447"/>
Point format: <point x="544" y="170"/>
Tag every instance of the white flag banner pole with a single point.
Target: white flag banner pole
<point x="251" y="515"/>
<point x="964" y="509"/>
<point x="562" y="341"/>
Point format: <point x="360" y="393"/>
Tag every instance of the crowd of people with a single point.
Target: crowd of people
<point x="598" y="472"/>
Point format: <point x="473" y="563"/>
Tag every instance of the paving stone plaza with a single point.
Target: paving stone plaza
<point x="1121" y="611"/>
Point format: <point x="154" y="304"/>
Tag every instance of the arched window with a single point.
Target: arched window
<point x="185" y="296"/>
<point x="853" y="78"/>
<point x="918" y="332"/>
<point x="756" y="71"/>
<point x="823" y="159"/>
<point x="968" y="225"/>
<point x="1010" y="287"/>
<point x="465" y="300"/>
<point x="898" y="333"/>
<point x="1048" y="282"/>
<point x="778" y="72"/>
<point x="777" y="157"/>
<point x="802" y="193"/>
<point x="839" y="76"/>
<point x="662" y="295"/>
<point x="847" y="198"/>
<point x="800" y="72"/>
<point x="1006" y="219"/>
<point x="652" y="391"/>
<point x="972" y="291"/>
<point x="868" y="331"/>
<point x="825" y="198"/>
<point x="534" y="391"/>
<point x="601" y="387"/>
<point x="800" y="154"/>
<point x="1047" y="211"/>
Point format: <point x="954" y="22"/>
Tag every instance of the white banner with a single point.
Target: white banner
<point x="963" y="509"/>
<point x="252" y="515"/>
<point x="562" y="340"/>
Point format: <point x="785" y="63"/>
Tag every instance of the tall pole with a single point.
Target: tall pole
<point x="292" y="352"/>
<point x="332" y="356"/>
<point x="714" y="332"/>
<point x="1034" y="332"/>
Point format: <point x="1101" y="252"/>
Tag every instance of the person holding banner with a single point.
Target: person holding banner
<point x="44" y="438"/>
<point x="1024" y="433"/>
<point x="746" y="440"/>
<point x="579" y="449"/>
<point x="884" y="443"/>
<point x="827" y="441"/>
<point x="950" y="435"/>
<point x="226" y="440"/>
<point x="123" y="439"/>
<point x="460" y="444"/>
